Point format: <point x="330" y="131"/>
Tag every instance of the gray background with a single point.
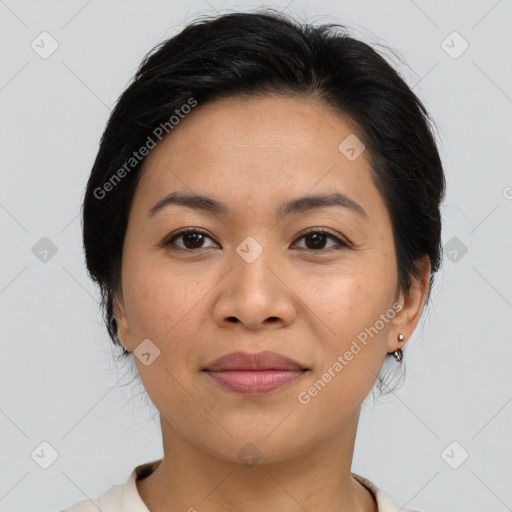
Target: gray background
<point x="59" y="380"/>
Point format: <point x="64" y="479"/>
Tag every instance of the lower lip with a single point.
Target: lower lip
<point x="254" y="382"/>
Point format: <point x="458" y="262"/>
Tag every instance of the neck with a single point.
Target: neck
<point x="316" y="479"/>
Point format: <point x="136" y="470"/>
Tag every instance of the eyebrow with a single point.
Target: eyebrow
<point x="301" y="204"/>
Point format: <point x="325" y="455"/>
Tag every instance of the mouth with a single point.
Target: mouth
<point x="254" y="373"/>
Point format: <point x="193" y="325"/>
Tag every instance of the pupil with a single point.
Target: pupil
<point x="195" y="238"/>
<point x="318" y="240"/>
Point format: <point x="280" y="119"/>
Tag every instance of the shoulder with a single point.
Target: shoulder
<point x="109" y="501"/>
<point x="385" y="502"/>
<point x="122" y="497"/>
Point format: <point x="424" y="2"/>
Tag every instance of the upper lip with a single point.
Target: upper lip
<point x="254" y="361"/>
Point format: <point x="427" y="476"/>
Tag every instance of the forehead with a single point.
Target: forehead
<point x="248" y="150"/>
<point x="260" y="124"/>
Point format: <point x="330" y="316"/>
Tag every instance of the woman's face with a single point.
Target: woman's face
<point x="251" y="280"/>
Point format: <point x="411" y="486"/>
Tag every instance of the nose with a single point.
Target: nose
<point x="255" y="295"/>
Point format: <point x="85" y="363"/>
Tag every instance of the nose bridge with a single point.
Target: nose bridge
<point x="253" y="261"/>
<point x="254" y="291"/>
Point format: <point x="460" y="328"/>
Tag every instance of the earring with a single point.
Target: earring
<point x="399" y="355"/>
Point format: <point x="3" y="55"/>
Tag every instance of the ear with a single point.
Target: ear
<point x="407" y="318"/>
<point x="123" y="326"/>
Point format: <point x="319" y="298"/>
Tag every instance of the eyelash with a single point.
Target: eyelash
<point x="170" y="240"/>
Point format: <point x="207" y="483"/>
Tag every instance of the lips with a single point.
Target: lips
<point x="254" y="374"/>
<point x="253" y="361"/>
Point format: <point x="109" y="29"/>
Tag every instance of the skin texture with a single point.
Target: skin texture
<point x="253" y="154"/>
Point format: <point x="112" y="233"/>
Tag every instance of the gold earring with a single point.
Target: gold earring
<point x="399" y="355"/>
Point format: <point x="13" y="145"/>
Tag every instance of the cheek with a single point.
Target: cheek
<point x="352" y="346"/>
<point x="349" y="298"/>
<point x="354" y="308"/>
<point x="158" y="295"/>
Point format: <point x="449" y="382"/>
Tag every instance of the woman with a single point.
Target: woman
<point x="263" y="221"/>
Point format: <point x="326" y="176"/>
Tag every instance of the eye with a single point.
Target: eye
<point x="193" y="239"/>
<point x="316" y="238"/>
